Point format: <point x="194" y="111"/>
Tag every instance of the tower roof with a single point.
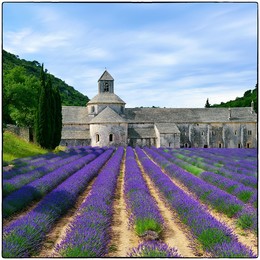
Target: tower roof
<point x="106" y="76"/>
<point x="108" y="115"/>
<point x="106" y="98"/>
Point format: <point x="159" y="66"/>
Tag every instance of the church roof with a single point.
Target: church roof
<point x="106" y="98"/>
<point x="141" y="132"/>
<point x="189" y="115"/>
<point x="107" y="115"/>
<point x="167" y="128"/>
<point x="74" y="114"/>
<point x="106" y="76"/>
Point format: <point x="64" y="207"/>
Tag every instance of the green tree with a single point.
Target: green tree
<point x="42" y="124"/>
<point x="207" y="103"/>
<point x="20" y="93"/>
<point x="58" y="118"/>
<point x="48" y="121"/>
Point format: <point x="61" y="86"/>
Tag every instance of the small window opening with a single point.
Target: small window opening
<point x="219" y="145"/>
<point x="249" y="132"/>
<point x="106" y="87"/>
<point x="248" y="145"/>
<point x="111" y="138"/>
<point x="92" y="109"/>
<point x="97" y="138"/>
<point x="202" y="133"/>
<point x="239" y="146"/>
<point x="235" y="132"/>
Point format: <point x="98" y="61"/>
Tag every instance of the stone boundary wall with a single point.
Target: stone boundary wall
<point x="23" y="132"/>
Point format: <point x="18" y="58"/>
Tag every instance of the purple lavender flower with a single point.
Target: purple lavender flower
<point x="205" y="228"/>
<point x="88" y="235"/>
<point x="38" y="188"/>
<point x="153" y="249"/>
<point x="24" y="235"/>
<point x="138" y="198"/>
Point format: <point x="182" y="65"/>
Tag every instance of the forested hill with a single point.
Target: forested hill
<point x="245" y="101"/>
<point x="69" y="96"/>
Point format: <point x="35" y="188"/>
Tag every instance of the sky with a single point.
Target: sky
<point x="159" y="54"/>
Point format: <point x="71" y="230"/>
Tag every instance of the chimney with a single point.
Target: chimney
<point x="229" y="111"/>
<point x="252" y="107"/>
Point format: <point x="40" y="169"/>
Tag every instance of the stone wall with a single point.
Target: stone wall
<point x="100" y="134"/>
<point x="75" y="142"/>
<point x="218" y="135"/>
<point x="25" y="133"/>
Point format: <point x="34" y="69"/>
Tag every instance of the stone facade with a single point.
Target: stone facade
<point x="106" y="122"/>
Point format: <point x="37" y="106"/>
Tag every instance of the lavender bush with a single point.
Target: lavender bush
<point x="38" y="188"/>
<point x="20" y="180"/>
<point x="145" y="214"/>
<point x="205" y="228"/>
<point x="153" y="249"/>
<point x="208" y="193"/>
<point x="88" y="234"/>
<point x="23" y="236"/>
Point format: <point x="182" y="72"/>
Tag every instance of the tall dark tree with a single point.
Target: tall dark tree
<point x="48" y="123"/>
<point x="58" y="118"/>
<point x="207" y="103"/>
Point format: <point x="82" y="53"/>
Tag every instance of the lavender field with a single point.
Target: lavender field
<point x="132" y="202"/>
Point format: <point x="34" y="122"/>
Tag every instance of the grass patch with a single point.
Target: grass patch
<point x="212" y="236"/>
<point x="14" y="147"/>
<point x="193" y="169"/>
<point x="245" y="195"/>
<point x="245" y="221"/>
<point x="143" y="225"/>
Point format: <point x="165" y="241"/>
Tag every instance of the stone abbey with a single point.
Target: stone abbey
<point x="106" y="122"/>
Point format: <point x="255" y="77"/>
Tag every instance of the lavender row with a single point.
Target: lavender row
<point x="214" y="236"/>
<point x="88" y="234"/>
<point x="246" y="180"/>
<point x="232" y="159"/>
<point x="20" y="180"/>
<point x="17" y="200"/>
<point x="23" y="237"/>
<point x="145" y="215"/>
<point x="209" y="194"/>
<point x="39" y="162"/>
<point x="153" y="249"/>
<point x="245" y="194"/>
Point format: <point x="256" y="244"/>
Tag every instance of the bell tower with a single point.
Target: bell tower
<point x="106" y="83"/>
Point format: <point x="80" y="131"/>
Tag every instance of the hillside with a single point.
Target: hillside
<point x="14" y="147"/>
<point x="69" y="96"/>
<point x="245" y="101"/>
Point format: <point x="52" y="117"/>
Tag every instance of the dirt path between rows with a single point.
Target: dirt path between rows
<point x="174" y="233"/>
<point x="246" y="238"/>
<point x="58" y="232"/>
<point x="123" y="237"/>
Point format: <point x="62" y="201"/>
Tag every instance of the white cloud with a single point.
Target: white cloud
<point x="154" y="62"/>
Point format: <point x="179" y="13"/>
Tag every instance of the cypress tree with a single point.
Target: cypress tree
<point x="41" y="118"/>
<point x="58" y="117"/>
<point x="48" y="117"/>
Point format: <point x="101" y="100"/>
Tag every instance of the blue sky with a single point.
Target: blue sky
<point x="160" y="54"/>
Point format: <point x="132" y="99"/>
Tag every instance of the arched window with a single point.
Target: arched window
<point x="92" y="109"/>
<point x="106" y="87"/>
<point x="111" y="138"/>
<point x="97" y="138"/>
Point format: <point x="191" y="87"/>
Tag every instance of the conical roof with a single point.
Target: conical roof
<point x="108" y="115"/>
<point x="106" y="76"/>
<point x="106" y="98"/>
